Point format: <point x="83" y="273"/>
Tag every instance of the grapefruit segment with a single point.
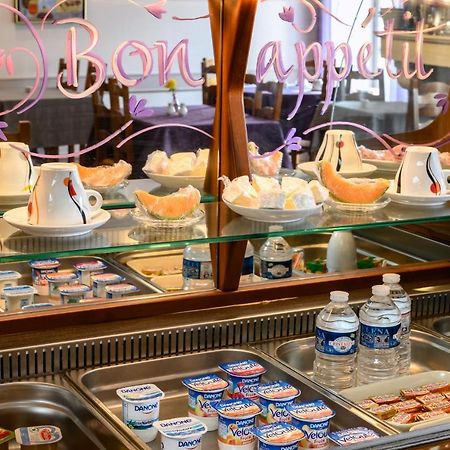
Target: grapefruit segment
<point x="175" y="206"/>
<point x="353" y="190"/>
<point x="104" y="176"/>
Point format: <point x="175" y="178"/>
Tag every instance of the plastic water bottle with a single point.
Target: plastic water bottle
<point x="379" y="338"/>
<point x="336" y="343"/>
<point x="276" y="257"/>
<point x="403" y="302"/>
<point x="248" y="268"/>
<point x="197" y="267"/>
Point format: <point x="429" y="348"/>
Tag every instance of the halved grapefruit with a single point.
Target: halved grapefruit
<point x="104" y="176"/>
<point x="351" y="190"/>
<point x="178" y="205"/>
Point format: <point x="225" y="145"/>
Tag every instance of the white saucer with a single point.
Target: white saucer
<point x="385" y="166"/>
<point x="273" y="215"/>
<point x="310" y="168"/>
<point x="14" y="199"/>
<point x="18" y="218"/>
<point x="176" y="182"/>
<point x="418" y="200"/>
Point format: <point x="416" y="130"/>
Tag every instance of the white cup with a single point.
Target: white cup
<point x="421" y="173"/>
<point x="59" y="198"/>
<point x="16" y="169"/>
<point x="340" y="148"/>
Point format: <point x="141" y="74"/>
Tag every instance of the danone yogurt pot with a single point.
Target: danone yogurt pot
<point x="5" y="437"/>
<point x="8" y="278"/>
<point x="43" y="435"/>
<point x="203" y="390"/>
<point x="56" y="280"/>
<point x="352" y="436"/>
<point x="278" y="436"/>
<point x="237" y="418"/>
<point x="274" y="398"/>
<point x="244" y="378"/>
<point x="74" y="293"/>
<point x="120" y="290"/>
<point x="39" y="271"/>
<point x="99" y="282"/>
<point x="140" y="409"/>
<point x="181" y="433"/>
<point x="313" y="418"/>
<point x="85" y="270"/>
<point x="16" y="297"/>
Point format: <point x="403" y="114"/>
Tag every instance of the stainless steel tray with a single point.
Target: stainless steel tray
<point x="35" y="403"/>
<point x="67" y="263"/>
<point x="100" y="386"/>
<point x="437" y="325"/>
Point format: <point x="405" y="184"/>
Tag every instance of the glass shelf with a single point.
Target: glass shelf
<point x="123" y="233"/>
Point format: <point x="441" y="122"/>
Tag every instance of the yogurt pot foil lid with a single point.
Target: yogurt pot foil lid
<point x="245" y="368"/>
<point x="278" y="433"/>
<point x="123" y="288"/>
<point x="352" y="436"/>
<point x="69" y="289"/>
<point x="61" y="277"/>
<point x="19" y="290"/>
<point x="90" y="266"/>
<point x="278" y="390"/>
<point x="9" y="275"/>
<point x="39" y="435"/>
<point x="44" y="264"/>
<point x="143" y="392"/>
<point x="236" y="408"/>
<point x="181" y="427"/>
<point x="206" y="383"/>
<point x="316" y="411"/>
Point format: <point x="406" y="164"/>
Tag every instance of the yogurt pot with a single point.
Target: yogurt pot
<point x="244" y="378"/>
<point x="203" y="390"/>
<point x="38" y="437"/>
<point x="5" y="437"/>
<point x="99" y="282"/>
<point x="16" y="297"/>
<point x="8" y="278"/>
<point x="182" y="432"/>
<point x="120" y="290"/>
<point x="274" y="398"/>
<point x="85" y="270"/>
<point x="74" y="293"/>
<point x="56" y="280"/>
<point x="140" y="409"/>
<point x="237" y="418"/>
<point x="278" y="436"/>
<point x="352" y="436"/>
<point x="313" y="418"/>
<point x="39" y="271"/>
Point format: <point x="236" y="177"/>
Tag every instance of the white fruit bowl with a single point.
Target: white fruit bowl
<point x="273" y="215"/>
<point x="176" y="182"/>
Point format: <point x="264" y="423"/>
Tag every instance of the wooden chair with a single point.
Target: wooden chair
<point x="62" y="68"/>
<point x="23" y="133"/>
<point x="209" y="87"/>
<point x="354" y="76"/>
<point x="89" y="79"/>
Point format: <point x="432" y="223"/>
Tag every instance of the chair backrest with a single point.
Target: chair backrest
<point x="62" y="68"/>
<point x="23" y="133"/>
<point x="353" y="76"/>
<point x="209" y="87"/>
<point x="89" y="79"/>
<point x="257" y="105"/>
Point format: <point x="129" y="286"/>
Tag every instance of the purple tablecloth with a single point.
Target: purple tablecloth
<point x="267" y="134"/>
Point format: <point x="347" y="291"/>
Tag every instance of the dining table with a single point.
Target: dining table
<point x="186" y="133"/>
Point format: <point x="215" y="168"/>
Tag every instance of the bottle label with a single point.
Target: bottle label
<point x="406" y="323"/>
<point x="273" y="270"/>
<point x="247" y="267"/>
<point x="197" y="270"/>
<point x="333" y="343"/>
<point x="380" y="337"/>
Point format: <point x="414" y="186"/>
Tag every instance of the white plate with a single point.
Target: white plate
<point x="358" y="208"/>
<point x="310" y="168"/>
<point x="273" y="215"/>
<point x="394" y="386"/>
<point x="14" y="199"/>
<point x="385" y="166"/>
<point x="18" y="218"/>
<point x="154" y="222"/>
<point x="108" y="189"/>
<point x="418" y="200"/>
<point x="176" y="182"/>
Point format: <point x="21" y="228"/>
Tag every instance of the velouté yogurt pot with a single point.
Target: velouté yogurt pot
<point x="39" y="271"/>
<point x="352" y="436"/>
<point x="237" y="418"/>
<point x="58" y="279"/>
<point x="278" y="436"/>
<point x="313" y="418"/>
<point x="140" y="409"/>
<point x="244" y="378"/>
<point x="100" y="281"/>
<point x="74" y="293"/>
<point x="85" y="270"/>
<point x="8" y="278"/>
<point x="114" y="291"/>
<point x="16" y="297"/>
<point x="181" y="433"/>
<point x="274" y="398"/>
<point x="203" y="390"/>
